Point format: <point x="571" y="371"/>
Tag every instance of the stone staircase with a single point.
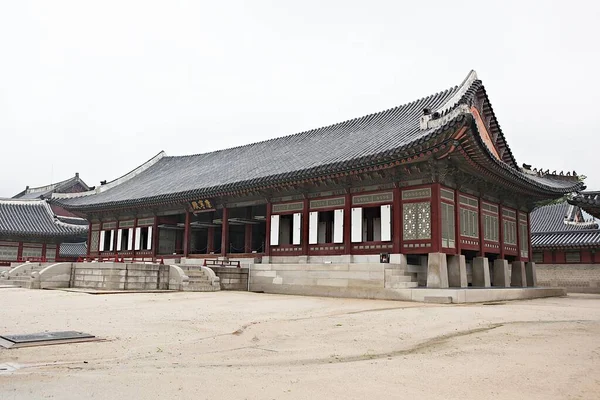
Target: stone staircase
<point x="399" y="277"/>
<point x="200" y="280"/>
<point x="20" y="276"/>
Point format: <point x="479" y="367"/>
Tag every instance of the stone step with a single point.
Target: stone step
<point x="194" y="274"/>
<point x="398" y="278"/>
<point x="203" y="288"/>
<point x="416" y="269"/>
<point x="401" y="285"/>
<point x="16" y="282"/>
<point x="397" y="272"/>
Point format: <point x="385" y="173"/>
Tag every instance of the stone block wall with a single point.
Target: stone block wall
<point x="575" y="278"/>
<point x="118" y="276"/>
<point x="232" y="278"/>
<point x="337" y="280"/>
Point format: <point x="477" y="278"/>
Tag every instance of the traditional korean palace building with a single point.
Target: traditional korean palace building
<point x="434" y="176"/>
<point x="563" y="234"/>
<point x="31" y="229"/>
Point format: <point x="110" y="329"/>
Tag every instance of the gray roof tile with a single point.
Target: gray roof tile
<point x="34" y="218"/>
<point x="73" y="249"/>
<point x="556" y="226"/>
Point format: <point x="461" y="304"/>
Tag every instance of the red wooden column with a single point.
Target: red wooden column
<point x="305" y="227"/>
<point x="89" y="239"/>
<point x="397" y="221"/>
<point x="480" y="222"/>
<point x="44" y="252"/>
<point x="348" y="223"/>
<point x="436" y="218"/>
<point x="267" y="248"/>
<point x="225" y="232"/>
<point x="20" y="252"/>
<point x="518" y="224"/>
<point x="135" y="224"/>
<point x="115" y="236"/>
<point x="529" y="239"/>
<point x="210" y="240"/>
<point x="186" y="234"/>
<point x="501" y="229"/>
<point x="155" y="237"/>
<point x="248" y="232"/>
<point x="457" y="241"/>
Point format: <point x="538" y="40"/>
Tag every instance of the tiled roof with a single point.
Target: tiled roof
<point x="372" y="139"/>
<point x="34" y="218"/>
<point x="589" y="201"/>
<point x="73" y="249"/>
<point x="583" y="238"/>
<point x="42" y="192"/>
<point x="560" y="217"/>
<point x="557" y="226"/>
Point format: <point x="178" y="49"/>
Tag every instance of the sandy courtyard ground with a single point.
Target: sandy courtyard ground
<point x="235" y="345"/>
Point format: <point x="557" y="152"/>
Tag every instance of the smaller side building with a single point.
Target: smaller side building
<point x="566" y="247"/>
<point x="30" y="231"/>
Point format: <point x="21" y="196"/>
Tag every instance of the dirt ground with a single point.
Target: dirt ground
<point x="235" y="345"/>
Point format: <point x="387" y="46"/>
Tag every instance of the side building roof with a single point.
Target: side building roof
<point x="378" y="139"/>
<point x="562" y="226"/>
<point x="34" y="218"/>
<point x="589" y="201"/>
<point x="67" y="186"/>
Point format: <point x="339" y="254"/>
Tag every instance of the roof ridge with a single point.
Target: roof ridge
<point x="123" y="178"/>
<point x="20" y="201"/>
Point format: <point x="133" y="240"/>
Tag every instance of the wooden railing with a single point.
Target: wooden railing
<point x="122" y="259"/>
<point x="221" y="263"/>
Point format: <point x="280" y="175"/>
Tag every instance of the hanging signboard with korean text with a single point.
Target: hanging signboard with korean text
<point x="201" y="205"/>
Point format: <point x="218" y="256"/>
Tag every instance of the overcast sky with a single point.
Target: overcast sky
<point x="99" y="87"/>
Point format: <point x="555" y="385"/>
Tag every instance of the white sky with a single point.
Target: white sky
<point x="99" y="87"/>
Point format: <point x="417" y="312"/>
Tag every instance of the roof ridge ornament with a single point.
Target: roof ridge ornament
<point x="427" y="120"/>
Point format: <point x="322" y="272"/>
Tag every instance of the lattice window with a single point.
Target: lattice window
<point x="491" y="231"/>
<point x="573" y="256"/>
<point x="510" y="232"/>
<point x="95" y="241"/>
<point x="417" y="221"/>
<point x="524" y="240"/>
<point x="448" y="236"/>
<point x="8" y="253"/>
<point x="538" y="257"/>
<point x="37" y="253"/>
<point x="469" y="226"/>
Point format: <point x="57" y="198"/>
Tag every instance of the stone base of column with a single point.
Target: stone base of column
<point x="457" y="271"/>
<point x="531" y="274"/>
<point x="518" y="278"/>
<point x="481" y="272"/>
<point x="501" y="275"/>
<point x="437" y="271"/>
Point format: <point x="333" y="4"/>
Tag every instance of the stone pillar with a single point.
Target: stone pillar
<point x="481" y="272"/>
<point x="518" y="277"/>
<point x="437" y="270"/>
<point x="457" y="271"/>
<point x="531" y="274"/>
<point x="501" y="275"/>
